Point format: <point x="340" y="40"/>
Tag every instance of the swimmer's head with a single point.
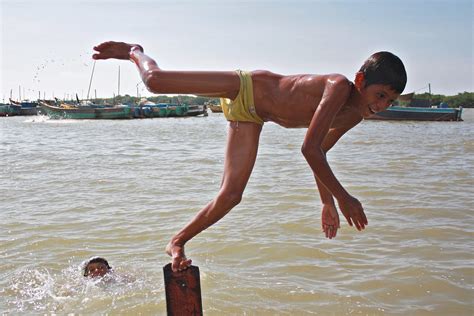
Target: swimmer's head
<point x="96" y="267"/>
<point x="384" y="68"/>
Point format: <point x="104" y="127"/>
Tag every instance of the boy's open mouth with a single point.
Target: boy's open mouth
<point x="372" y="110"/>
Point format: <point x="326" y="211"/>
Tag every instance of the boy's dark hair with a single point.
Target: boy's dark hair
<point x="385" y="68"/>
<point x="96" y="260"/>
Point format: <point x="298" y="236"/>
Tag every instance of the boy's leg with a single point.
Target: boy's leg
<point x="241" y="152"/>
<point x="240" y="156"/>
<point x="223" y="84"/>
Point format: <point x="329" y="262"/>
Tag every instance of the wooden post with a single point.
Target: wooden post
<point x="183" y="291"/>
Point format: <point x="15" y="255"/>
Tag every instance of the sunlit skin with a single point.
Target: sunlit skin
<point x="327" y="105"/>
<point x="96" y="269"/>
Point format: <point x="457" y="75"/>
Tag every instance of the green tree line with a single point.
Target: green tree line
<point x="464" y="99"/>
<point x="180" y="99"/>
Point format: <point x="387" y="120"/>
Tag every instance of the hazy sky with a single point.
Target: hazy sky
<point x="46" y="45"/>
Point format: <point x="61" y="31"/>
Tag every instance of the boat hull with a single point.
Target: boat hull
<point x="90" y="113"/>
<point x="27" y="107"/>
<point x="196" y="110"/>
<point x="159" y="110"/>
<point x="28" y="111"/>
<point x="418" y="114"/>
<point x="215" y="108"/>
<point x="9" y="109"/>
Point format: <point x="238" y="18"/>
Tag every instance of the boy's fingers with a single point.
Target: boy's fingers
<point x="175" y="264"/>
<point x="349" y="220"/>
<point x="184" y="264"/>
<point x="364" y="218"/>
<point x="356" y="223"/>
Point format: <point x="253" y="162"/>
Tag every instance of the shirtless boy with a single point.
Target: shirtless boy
<point x="327" y="105"/>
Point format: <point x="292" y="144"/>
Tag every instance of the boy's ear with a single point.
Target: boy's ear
<point x="359" y="81"/>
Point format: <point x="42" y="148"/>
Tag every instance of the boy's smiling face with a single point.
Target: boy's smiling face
<point x="374" y="98"/>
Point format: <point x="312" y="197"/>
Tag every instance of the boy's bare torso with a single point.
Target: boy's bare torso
<point x="291" y="101"/>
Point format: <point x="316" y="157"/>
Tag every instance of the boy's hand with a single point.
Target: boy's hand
<point x="116" y="50"/>
<point x="353" y="212"/>
<point x="330" y="220"/>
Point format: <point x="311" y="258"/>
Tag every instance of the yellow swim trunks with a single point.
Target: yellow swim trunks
<point x="242" y="108"/>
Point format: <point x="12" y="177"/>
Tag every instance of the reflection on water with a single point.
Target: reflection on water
<point x="73" y="189"/>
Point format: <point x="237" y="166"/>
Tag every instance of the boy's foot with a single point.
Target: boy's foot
<point x="116" y="50"/>
<point x="179" y="262"/>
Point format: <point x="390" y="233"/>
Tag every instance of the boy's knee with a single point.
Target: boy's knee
<point x="230" y="198"/>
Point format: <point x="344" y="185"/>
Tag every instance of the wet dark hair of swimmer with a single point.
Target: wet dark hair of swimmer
<point x="96" y="267"/>
<point x="385" y="68"/>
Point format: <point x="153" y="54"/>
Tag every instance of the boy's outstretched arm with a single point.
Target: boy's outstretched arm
<point x="329" y="216"/>
<point x="211" y="83"/>
<point x="336" y="93"/>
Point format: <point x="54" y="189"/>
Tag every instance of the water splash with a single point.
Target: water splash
<point x="42" y="290"/>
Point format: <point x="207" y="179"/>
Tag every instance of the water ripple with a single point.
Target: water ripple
<point x="121" y="189"/>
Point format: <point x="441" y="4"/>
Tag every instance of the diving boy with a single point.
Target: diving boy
<point x="327" y="105"/>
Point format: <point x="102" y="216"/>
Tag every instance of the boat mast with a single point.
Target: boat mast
<point x="118" y="90"/>
<point x="90" y="82"/>
<point x="429" y="89"/>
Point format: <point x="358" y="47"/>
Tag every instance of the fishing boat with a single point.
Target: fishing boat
<point x="148" y="110"/>
<point x="418" y="114"/>
<point x="215" y="108"/>
<point x="197" y="109"/>
<point x="169" y="110"/>
<point x="27" y="107"/>
<point x="410" y="108"/>
<point x="8" y="109"/>
<point x="56" y="111"/>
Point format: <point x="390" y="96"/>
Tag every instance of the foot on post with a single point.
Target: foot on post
<point x="179" y="262"/>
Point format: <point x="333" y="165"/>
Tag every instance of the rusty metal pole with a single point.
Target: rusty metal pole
<point x="183" y="291"/>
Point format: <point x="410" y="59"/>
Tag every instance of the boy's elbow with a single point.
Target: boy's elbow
<point x="304" y="149"/>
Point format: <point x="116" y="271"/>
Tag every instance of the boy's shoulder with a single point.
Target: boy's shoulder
<point x="334" y="78"/>
<point x="320" y="82"/>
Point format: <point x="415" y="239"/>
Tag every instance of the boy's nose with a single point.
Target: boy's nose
<point x="383" y="105"/>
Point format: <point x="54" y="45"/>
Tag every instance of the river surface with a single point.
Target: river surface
<point x="70" y="190"/>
